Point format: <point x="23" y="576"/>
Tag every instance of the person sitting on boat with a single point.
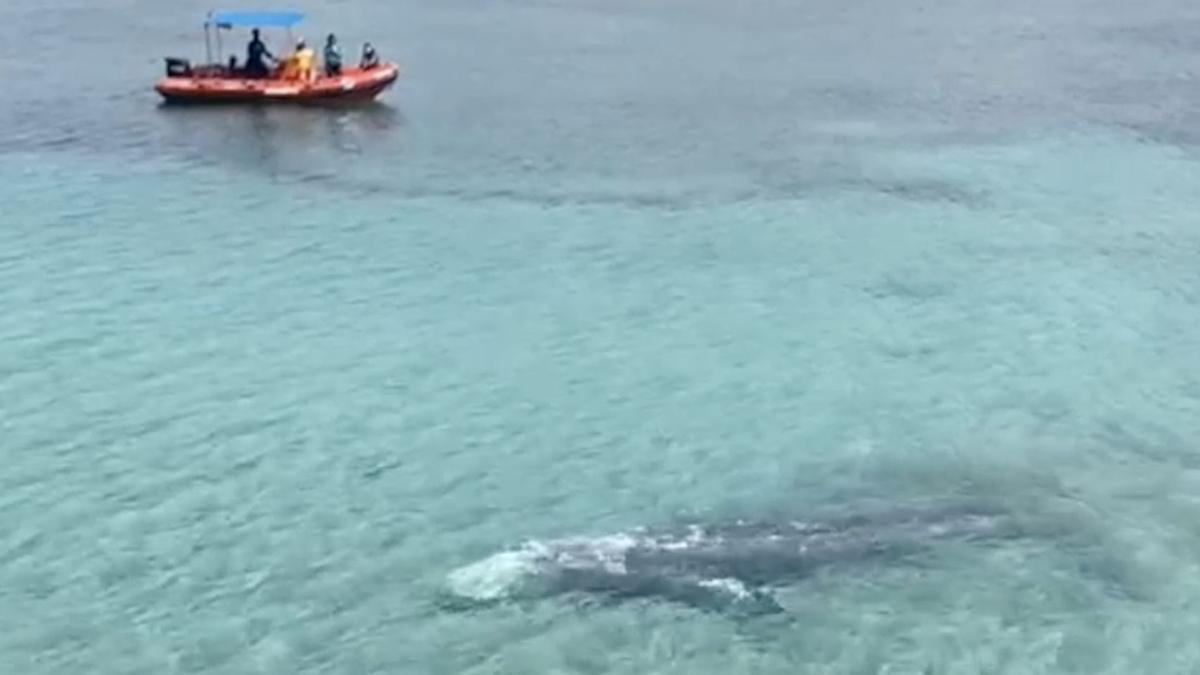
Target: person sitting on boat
<point x="333" y="56"/>
<point x="369" y="58"/>
<point x="256" y="56"/>
<point x="299" y="65"/>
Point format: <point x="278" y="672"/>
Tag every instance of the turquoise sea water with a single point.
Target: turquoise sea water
<point x="267" y="378"/>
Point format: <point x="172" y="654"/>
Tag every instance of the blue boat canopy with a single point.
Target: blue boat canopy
<point x="255" y="19"/>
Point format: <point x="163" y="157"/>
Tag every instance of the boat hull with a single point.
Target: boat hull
<point x="354" y="85"/>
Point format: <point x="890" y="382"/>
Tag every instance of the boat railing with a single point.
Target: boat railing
<point x="179" y="67"/>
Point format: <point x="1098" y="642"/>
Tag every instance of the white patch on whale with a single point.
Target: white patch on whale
<point x="496" y="576"/>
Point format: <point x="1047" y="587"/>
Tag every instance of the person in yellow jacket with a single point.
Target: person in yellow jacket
<point x="299" y="64"/>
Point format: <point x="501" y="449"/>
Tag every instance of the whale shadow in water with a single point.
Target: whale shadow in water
<point x="721" y="566"/>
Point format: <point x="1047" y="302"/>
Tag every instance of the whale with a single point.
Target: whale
<point x="732" y="564"/>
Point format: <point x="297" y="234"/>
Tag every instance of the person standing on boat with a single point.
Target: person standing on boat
<point x="256" y="56"/>
<point x="333" y="56"/>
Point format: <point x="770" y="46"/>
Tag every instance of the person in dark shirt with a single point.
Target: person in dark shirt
<point x="369" y="58"/>
<point x="256" y="56"/>
<point x="333" y="56"/>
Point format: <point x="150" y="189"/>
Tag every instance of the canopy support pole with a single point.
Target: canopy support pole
<point x="208" y="40"/>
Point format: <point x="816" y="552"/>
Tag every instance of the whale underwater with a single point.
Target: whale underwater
<point x="720" y="566"/>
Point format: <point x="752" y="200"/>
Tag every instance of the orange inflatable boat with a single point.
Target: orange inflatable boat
<point x="215" y="83"/>
<point x="354" y="84"/>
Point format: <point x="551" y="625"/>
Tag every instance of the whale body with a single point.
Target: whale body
<point x="720" y="565"/>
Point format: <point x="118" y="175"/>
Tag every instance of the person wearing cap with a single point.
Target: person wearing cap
<point x="299" y="64"/>
<point x="304" y="59"/>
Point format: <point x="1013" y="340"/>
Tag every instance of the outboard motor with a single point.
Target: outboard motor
<point x="177" y="67"/>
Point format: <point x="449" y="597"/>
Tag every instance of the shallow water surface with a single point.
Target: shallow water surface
<point x="269" y="377"/>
